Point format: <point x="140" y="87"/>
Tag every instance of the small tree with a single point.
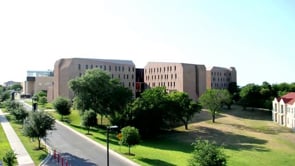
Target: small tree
<point x="207" y="154"/>
<point x="130" y="137"/>
<point x="9" y="158"/>
<point x="89" y="119"/>
<point x="43" y="100"/>
<point x="37" y="124"/>
<point x="62" y="106"/>
<point x="20" y="114"/>
<point x="213" y="100"/>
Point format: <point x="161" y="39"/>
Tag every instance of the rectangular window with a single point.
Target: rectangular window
<point x="110" y="68"/>
<point x="79" y="66"/>
<point x="86" y="67"/>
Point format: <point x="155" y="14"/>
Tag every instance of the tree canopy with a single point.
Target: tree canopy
<point x="89" y="119"/>
<point x="213" y="100"/>
<point x="130" y="137"/>
<point x="37" y="124"/>
<point x="62" y="106"/>
<point x="96" y="90"/>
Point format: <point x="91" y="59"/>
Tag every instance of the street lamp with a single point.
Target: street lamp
<point x="108" y="131"/>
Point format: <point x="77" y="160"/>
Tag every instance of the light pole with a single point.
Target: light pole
<point x="108" y="131"/>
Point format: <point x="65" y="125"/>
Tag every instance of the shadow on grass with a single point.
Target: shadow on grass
<point x="230" y="140"/>
<point x="204" y="115"/>
<point x="254" y="114"/>
<point x="156" y="162"/>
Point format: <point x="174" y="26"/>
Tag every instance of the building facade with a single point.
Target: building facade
<point x="283" y="111"/>
<point x="220" y="77"/>
<point x="37" y="81"/>
<point x="67" y="69"/>
<point x="189" y="78"/>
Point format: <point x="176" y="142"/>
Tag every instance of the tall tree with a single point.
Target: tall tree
<point x="37" y="124"/>
<point x="121" y="97"/>
<point x="93" y="91"/>
<point x="213" y="100"/>
<point x="62" y="106"/>
<point x="149" y="111"/>
<point x="182" y="108"/>
<point x="251" y="96"/>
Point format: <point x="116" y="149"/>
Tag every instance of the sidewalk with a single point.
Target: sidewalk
<point x="23" y="158"/>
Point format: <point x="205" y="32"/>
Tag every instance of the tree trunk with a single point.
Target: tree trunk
<point x="186" y="126"/>
<point x="129" y="150"/>
<point x="213" y="117"/>
<point x="39" y="143"/>
<point x="101" y="117"/>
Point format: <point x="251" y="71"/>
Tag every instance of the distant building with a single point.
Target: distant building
<point x="189" y="78"/>
<point x="70" y="68"/>
<point x="220" y="77"/>
<point x="37" y="81"/>
<point x="283" y="111"/>
<point x="10" y="83"/>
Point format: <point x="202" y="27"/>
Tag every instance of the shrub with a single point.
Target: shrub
<point x="207" y="154"/>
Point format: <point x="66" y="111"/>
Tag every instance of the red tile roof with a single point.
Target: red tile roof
<point x="289" y="98"/>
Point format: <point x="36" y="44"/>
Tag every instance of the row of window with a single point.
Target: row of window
<point x="221" y="79"/>
<point x="166" y="84"/>
<point x="160" y="69"/>
<point x="165" y="76"/>
<point x="219" y="85"/>
<point x="104" y="67"/>
<point x="220" y="73"/>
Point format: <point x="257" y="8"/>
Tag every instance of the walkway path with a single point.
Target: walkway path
<point x="23" y="158"/>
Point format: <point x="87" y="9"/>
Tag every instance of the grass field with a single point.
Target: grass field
<point x="248" y="137"/>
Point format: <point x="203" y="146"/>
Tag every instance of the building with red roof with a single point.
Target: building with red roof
<point x="283" y="111"/>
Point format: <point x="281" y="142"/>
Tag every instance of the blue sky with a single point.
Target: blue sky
<point x="255" y="36"/>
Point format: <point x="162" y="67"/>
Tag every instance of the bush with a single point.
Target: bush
<point x="129" y="136"/>
<point x="207" y="154"/>
<point x="9" y="158"/>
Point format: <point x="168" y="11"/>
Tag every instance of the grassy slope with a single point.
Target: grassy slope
<point x="248" y="137"/>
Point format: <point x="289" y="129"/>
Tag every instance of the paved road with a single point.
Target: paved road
<point x="79" y="150"/>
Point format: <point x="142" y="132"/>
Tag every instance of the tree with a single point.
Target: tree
<point x="250" y="96"/>
<point x="89" y="119"/>
<point x="182" y="108"/>
<point x="20" y="114"/>
<point x="122" y="96"/>
<point x="93" y="91"/>
<point x="130" y="137"/>
<point x="207" y="154"/>
<point x="37" y="124"/>
<point x="148" y="111"/>
<point x="213" y="100"/>
<point x="43" y="100"/>
<point x="9" y="158"/>
<point x="62" y="106"/>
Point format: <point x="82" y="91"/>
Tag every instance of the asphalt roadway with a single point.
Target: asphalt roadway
<point x="79" y="150"/>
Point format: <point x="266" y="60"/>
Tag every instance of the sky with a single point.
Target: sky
<point x="257" y="37"/>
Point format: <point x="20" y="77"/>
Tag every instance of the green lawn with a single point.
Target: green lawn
<point x="248" y="137"/>
<point x="4" y="144"/>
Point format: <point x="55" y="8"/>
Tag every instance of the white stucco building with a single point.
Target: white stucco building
<point x="283" y="111"/>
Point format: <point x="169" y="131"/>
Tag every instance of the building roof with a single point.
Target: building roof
<point x="289" y="98"/>
<point x="126" y="62"/>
